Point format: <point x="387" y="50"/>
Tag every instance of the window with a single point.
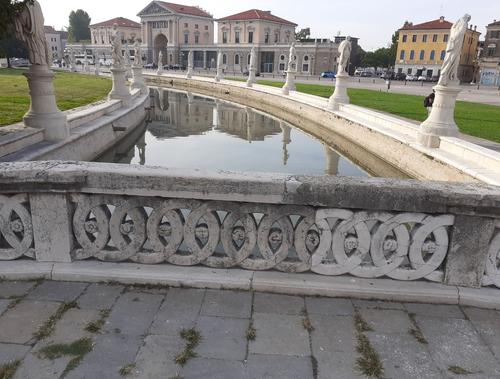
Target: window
<point x="196" y="39"/>
<point x="206" y="27"/>
<point x="250" y="37"/>
<point x="405" y="38"/>
<point x="490" y="52"/>
<point x="224" y="59"/>
<point x="282" y="57"/>
<point x="224" y="37"/>
<point x="305" y="67"/>
<point x="236" y="37"/>
<point x="422" y="55"/>
<point x="282" y="67"/>
<point x="414" y="38"/>
<point x="433" y="55"/>
<point x="409" y="71"/>
<point x="424" y="38"/>
<point x="443" y="54"/>
<point x="186" y="25"/>
<point x="266" y="37"/>
<point x="186" y="38"/>
<point x="237" y="59"/>
<point x="435" y="38"/>
<point x="276" y="37"/>
<point x="412" y="55"/>
<point x="306" y="58"/>
<point x="445" y="38"/>
<point x="196" y="26"/>
<point x="402" y="55"/>
<point x="495" y="34"/>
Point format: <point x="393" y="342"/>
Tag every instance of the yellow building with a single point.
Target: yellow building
<point x="422" y="48"/>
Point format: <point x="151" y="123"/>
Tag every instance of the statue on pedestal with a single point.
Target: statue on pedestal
<point x="449" y="69"/>
<point x="116" y="48"/>
<point x="252" y="69"/>
<point x="190" y="64"/>
<point x="292" y="57"/>
<point x="345" y="49"/>
<point x="29" y="29"/>
<point x="137" y="54"/>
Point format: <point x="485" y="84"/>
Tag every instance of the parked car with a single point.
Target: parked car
<point x="151" y="65"/>
<point x="400" y="76"/>
<point x="246" y="73"/>
<point x="411" y="78"/>
<point x="367" y="74"/>
<point x="328" y="74"/>
<point x="19" y="62"/>
<point x="358" y="72"/>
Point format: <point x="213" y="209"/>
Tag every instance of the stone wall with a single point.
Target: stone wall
<point x="367" y="228"/>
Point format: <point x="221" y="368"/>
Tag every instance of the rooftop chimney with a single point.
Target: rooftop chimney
<point x="441" y="19"/>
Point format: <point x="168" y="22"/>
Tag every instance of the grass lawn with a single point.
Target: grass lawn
<point x="475" y="119"/>
<point x="72" y="90"/>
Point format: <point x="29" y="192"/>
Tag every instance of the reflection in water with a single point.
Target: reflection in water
<point x="190" y="131"/>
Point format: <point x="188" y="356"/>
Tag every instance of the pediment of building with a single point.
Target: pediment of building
<point x="153" y="9"/>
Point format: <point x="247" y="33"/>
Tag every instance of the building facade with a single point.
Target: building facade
<point x="422" y="49"/>
<point x="489" y="62"/>
<point x="56" y="41"/>
<point x="169" y="27"/>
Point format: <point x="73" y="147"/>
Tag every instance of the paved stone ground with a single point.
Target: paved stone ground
<point x="138" y="334"/>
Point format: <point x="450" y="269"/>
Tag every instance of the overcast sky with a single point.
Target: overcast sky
<point x="372" y="21"/>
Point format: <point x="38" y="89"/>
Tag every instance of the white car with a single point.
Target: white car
<point x="422" y="78"/>
<point x="411" y="78"/>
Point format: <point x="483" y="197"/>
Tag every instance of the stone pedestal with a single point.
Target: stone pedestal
<point x="441" y="120"/>
<point x="189" y="73"/>
<point x="340" y="94"/>
<point x="138" y="79"/>
<point x="120" y="90"/>
<point x="251" y="77"/>
<point x="290" y="83"/>
<point x="43" y="112"/>
<point x="219" y="75"/>
<point x="72" y="67"/>
<point x="160" y="69"/>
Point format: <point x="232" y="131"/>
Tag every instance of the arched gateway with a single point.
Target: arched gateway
<point x="160" y="44"/>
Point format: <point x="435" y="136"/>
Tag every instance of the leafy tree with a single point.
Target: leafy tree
<point x="9" y="45"/>
<point x="79" y="22"/>
<point x="378" y="58"/>
<point x="303" y="34"/>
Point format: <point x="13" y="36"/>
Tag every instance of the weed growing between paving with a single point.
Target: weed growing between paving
<point x="77" y="350"/>
<point x="306" y="323"/>
<point x="415" y="331"/>
<point x="457" y="370"/>
<point x="369" y="362"/>
<point x="127" y="369"/>
<point x="48" y="327"/>
<point x="251" y="332"/>
<point x="7" y="370"/>
<point x="192" y="338"/>
<point x="96" y="326"/>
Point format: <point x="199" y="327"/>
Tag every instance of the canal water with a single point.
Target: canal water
<point x="186" y="130"/>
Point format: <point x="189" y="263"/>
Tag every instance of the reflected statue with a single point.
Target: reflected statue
<point x="449" y="69"/>
<point x="116" y="48"/>
<point x="216" y="115"/>
<point x="29" y="29"/>
<point x="332" y="161"/>
<point x="345" y="48"/>
<point x="141" y="146"/>
<point x="286" y="129"/>
<point x="250" y="121"/>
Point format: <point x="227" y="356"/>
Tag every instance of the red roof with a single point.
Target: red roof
<point x="185" y="9"/>
<point x="256" y="14"/>
<point x="440" y="23"/>
<point x="120" y="21"/>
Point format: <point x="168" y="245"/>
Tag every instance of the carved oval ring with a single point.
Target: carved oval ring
<point x="19" y="247"/>
<point x="492" y="271"/>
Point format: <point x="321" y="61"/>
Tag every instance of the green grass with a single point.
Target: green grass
<point x="72" y="90"/>
<point x="475" y="119"/>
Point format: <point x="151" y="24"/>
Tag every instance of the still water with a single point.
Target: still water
<point x="190" y="131"/>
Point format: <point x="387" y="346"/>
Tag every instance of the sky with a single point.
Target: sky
<point x="373" y="22"/>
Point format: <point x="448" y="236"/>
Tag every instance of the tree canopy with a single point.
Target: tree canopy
<point x="303" y="34"/>
<point x="79" y="22"/>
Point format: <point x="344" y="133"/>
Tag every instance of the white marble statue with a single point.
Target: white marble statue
<point x="449" y="68"/>
<point x="116" y="48"/>
<point x="160" y="59"/>
<point x="291" y="58"/>
<point x="126" y="55"/>
<point x="253" y="59"/>
<point x="191" y="59"/>
<point x="345" y="48"/>
<point x="137" y="54"/>
<point x="29" y="29"/>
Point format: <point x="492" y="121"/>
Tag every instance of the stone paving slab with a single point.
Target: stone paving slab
<point x="203" y="368"/>
<point x="12" y="352"/>
<point x="15" y="289"/>
<point x="35" y="367"/>
<point x="18" y="324"/>
<point x="100" y="296"/>
<point x="279" y="304"/>
<point x="222" y="337"/>
<point x="327" y="306"/>
<point x="487" y="324"/>
<point x="227" y="304"/>
<point x="279" y="367"/>
<point x="4" y="304"/>
<point x="280" y="335"/>
<point x="57" y="291"/>
<point x="387" y="321"/>
<point x="435" y="310"/>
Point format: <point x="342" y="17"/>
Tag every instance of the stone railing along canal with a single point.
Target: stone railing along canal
<point x="370" y="228"/>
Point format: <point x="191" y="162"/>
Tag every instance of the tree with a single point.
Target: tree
<point x="303" y="34"/>
<point x="9" y="45"/>
<point x="378" y="58"/>
<point x="79" y="22"/>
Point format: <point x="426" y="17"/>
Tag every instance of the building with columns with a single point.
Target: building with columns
<point x="489" y="63"/>
<point x="169" y="27"/>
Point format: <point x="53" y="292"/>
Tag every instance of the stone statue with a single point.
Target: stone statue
<point x="453" y="49"/>
<point x="137" y="54"/>
<point x="291" y="58"/>
<point x="191" y="59"/>
<point x="116" y="48"/>
<point x="29" y="29"/>
<point x="345" y="48"/>
<point x="160" y="59"/>
<point x="253" y="59"/>
<point x="219" y="59"/>
<point x="126" y="55"/>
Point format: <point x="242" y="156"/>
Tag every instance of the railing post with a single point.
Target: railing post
<point x="52" y="228"/>
<point x="470" y="239"/>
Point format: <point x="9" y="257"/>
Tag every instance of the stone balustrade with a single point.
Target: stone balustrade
<point x="368" y="228"/>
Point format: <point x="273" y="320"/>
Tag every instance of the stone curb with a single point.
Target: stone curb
<point x="262" y="281"/>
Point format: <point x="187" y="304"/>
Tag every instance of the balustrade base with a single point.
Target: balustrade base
<point x="261" y="281"/>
